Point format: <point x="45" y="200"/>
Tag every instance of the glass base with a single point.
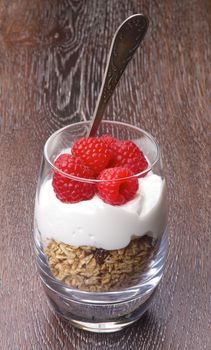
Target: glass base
<point x="108" y="326"/>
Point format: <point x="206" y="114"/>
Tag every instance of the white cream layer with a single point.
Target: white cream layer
<point x="95" y="223"/>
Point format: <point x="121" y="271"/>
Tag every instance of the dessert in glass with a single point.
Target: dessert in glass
<point x="100" y="224"/>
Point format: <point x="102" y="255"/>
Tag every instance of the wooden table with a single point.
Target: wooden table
<point x="52" y="58"/>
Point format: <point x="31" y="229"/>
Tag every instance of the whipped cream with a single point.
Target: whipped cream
<point x="98" y="224"/>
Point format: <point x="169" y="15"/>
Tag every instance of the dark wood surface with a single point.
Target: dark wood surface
<point x="52" y="58"/>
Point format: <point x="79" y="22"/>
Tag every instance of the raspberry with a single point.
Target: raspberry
<point x="109" y="140"/>
<point x="127" y="154"/>
<point x="94" y="153"/>
<point x="69" y="190"/>
<point x="117" y="192"/>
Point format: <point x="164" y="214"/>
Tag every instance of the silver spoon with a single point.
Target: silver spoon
<point x="124" y="44"/>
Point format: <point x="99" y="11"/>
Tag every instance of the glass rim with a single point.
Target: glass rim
<point x="80" y="179"/>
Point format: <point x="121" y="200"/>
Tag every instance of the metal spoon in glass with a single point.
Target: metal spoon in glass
<point x="124" y="44"/>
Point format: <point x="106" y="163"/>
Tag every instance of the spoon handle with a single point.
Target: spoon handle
<point x="124" y="44"/>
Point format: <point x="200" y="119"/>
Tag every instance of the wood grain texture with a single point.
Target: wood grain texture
<point x="52" y="58"/>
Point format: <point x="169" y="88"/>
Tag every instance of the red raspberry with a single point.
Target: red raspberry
<point x="117" y="192"/>
<point x="68" y="190"/>
<point x="94" y="153"/>
<point x="109" y="140"/>
<point x="127" y="154"/>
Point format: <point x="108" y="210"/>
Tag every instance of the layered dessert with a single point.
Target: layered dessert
<point x="101" y="214"/>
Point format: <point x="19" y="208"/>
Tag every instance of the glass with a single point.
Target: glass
<point x="101" y="288"/>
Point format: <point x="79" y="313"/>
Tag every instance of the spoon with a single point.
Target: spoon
<point x="124" y="44"/>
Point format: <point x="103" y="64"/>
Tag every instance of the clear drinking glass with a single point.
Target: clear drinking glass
<point x="98" y="289"/>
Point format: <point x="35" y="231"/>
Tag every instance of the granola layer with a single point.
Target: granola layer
<point x="96" y="270"/>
